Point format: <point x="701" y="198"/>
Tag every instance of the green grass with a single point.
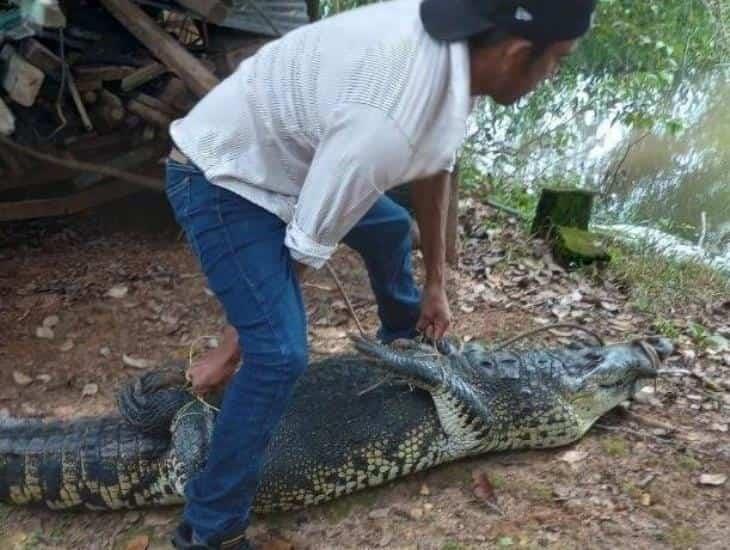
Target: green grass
<point x="657" y="285"/>
<point x="688" y="462"/>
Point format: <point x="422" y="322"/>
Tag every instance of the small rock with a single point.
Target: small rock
<point x="137" y="363"/>
<point x="51" y="321"/>
<point x="140" y="542"/>
<point x="45" y="378"/>
<point x="105" y="352"/>
<point x="425" y="491"/>
<point x="714" y="480"/>
<point x="45" y="333"/>
<point x="90" y="390"/>
<point x="717" y="427"/>
<point x="573" y="456"/>
<point x="22" y="379"/>
<point x="415" y="513"/>
<point x="427" y="507"/>
<point x="645" y="499"/>
<point x="379" y="513"/>
<point x="68" y="345"/>
<point x="117" y="291"/>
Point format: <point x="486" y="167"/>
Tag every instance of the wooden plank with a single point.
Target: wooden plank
<point x="104" y="73"/>
<point x="196" y="76"/>
<point x="7" y="119"/>
<point x="38" y="55"/>
<point x="214" y="11"/>
<point x="21" y="80"/>
<point x="43" y="208"/>
<point x="143" y="76"/>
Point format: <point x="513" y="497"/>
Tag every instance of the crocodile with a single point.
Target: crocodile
<point x="355" y="421"/>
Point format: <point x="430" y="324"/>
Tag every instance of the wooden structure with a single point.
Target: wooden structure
<point x="99" y="87"/>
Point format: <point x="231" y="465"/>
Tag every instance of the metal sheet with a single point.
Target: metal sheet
<point x="268" y="17"/>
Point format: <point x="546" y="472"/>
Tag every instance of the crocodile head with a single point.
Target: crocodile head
<point x="504" y="400"/>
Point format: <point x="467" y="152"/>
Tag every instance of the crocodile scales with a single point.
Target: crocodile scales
<point x="354" y="422"/>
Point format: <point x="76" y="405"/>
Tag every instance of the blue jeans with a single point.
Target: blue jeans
<point x="240" y="247"/>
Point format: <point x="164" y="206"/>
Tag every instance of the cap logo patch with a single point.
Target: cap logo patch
<point x="523" y="15"/>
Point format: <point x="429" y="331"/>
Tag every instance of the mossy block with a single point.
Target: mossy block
<point x="576" y="247"/>
<point x="562" y="207"/>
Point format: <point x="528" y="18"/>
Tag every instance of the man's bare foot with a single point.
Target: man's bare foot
<point x="216" y="367"/>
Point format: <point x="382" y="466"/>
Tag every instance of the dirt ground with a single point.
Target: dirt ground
<point x="80" y="294"/>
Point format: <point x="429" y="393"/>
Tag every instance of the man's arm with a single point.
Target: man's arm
<point x="430" y="200"/>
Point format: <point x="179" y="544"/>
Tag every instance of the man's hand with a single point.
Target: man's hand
<point x="435" y="312"/>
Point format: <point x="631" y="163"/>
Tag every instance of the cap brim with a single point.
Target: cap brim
<point x="453" y="20"/>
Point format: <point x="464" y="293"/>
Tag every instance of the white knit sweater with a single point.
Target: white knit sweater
<point x="318" y="124"/>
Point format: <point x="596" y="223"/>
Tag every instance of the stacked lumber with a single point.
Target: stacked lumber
<point x="97" y="82"/>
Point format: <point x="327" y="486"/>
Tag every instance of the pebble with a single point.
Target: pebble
<point x="425" y="491"/>
<point x="51" y="321"/>
<point x="22" y="379"/>
<point x="45" y="333"/>
<point x="68" y="345"/>
<point x="105" y="352"/>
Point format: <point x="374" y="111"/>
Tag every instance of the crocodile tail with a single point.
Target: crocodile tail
<point x="96" y="463"/>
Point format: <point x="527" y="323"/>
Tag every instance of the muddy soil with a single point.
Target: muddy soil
<point x="79" y="294"/>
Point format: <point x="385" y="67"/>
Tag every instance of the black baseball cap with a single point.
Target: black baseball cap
<point x="542" y="21"/>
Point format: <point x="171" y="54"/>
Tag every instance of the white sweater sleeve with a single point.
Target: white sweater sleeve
<point x="363" y="153"/>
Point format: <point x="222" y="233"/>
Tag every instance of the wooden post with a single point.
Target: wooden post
<point x="562" y="207"/>
<point x="196" y="76"/>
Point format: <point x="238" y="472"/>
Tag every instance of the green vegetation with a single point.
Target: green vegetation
<point x="689" y="462"/>
<point x="657" y="285"/>
<point x="683" y="537"/>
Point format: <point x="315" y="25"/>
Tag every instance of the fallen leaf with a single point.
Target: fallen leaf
<point x="573" y="456"/>
<point x="90" y="390"/>
<point x="137" y="363"/>
<point x="484" y="491"/>
<point x="45" y="333"/>
<point x="67" y="345"/>
<point x="117" y="291"/>
<point x="51" y="321"/>
<point x="140" y="542"/>
<point x="22" y="379"/>
<point x="713" y="479"/>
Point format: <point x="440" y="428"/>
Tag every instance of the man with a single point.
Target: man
<point x="292" y="154"/>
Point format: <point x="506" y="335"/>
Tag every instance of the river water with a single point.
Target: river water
<point x="677" y="183"/>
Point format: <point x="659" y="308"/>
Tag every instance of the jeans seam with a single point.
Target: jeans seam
<point x="175" y="189"/>
<point x="260" y="302"/>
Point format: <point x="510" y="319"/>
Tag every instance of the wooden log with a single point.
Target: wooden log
<point x="149" y="114"/>
<point x="109" y="113"/>
<point x="21" y="80"/>
<point x="176" y="96"/>
<point x="214" y="11"/>
<point x="89" y="85"/>
<point x="562" y="207"/>
<point x="104" y="73"/>
<point x="38" y="55"/>
<point x="63" y="206"/>
<point x="76" y="97"/>
<point x="155" y="104"/>
<point x="179" y="60"/>
<point x="7" y="119"/>
<point x="143" y="76"/>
